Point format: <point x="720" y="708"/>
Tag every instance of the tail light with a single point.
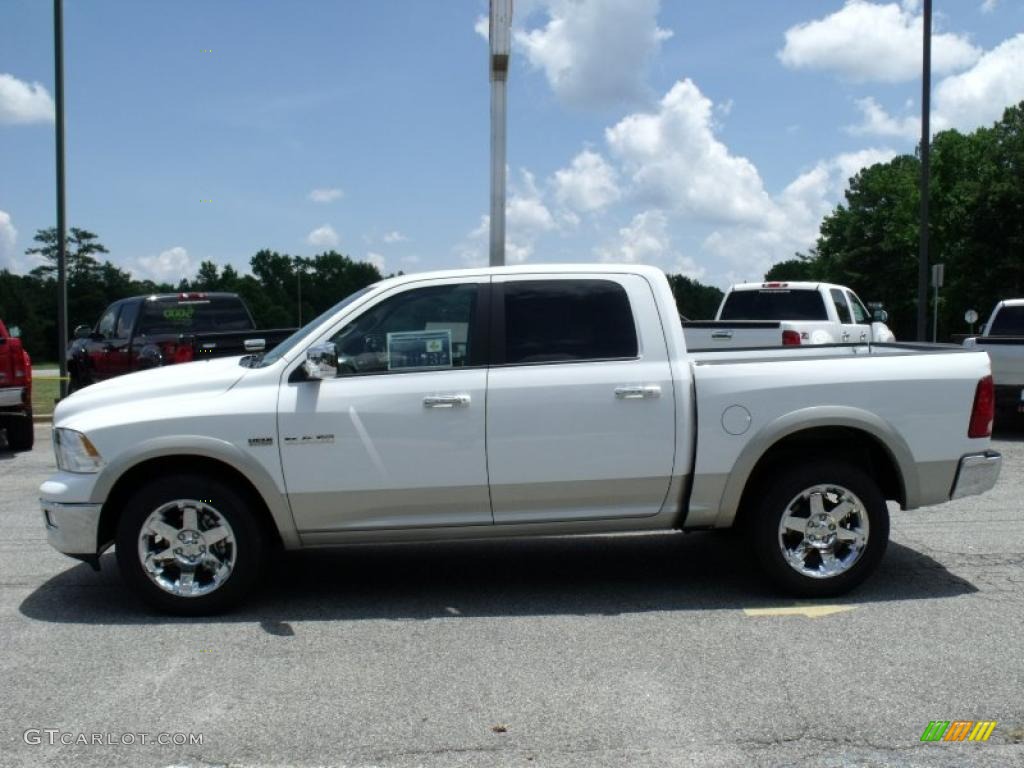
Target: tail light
<point x="173" y="352"/>
<point x="984" y="411"/>
<point x="791" y="338"/>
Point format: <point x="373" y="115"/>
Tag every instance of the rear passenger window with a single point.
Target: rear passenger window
<point x="550" y="321"/>
<point x="842" y="307"/>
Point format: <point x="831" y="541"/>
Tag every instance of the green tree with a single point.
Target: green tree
<point x="694" y="300"/>
<point x="81" y="244"/>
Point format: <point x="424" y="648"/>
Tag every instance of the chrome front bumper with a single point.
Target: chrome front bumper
<point x="72" y="528"/>
<point x="976" y="474"/>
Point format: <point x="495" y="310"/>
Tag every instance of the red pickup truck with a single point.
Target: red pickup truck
<point x="15" y="393"/>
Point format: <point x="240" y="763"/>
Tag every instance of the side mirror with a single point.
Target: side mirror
<point x="321" y="361"/>
<point x="15" y="332"/>
<point x="83" y="332"/>
<point x="880" y="316"/>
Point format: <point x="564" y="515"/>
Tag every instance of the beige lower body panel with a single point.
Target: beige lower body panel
<point x="412" y="516"/>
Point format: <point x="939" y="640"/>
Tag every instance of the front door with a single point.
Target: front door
<point x="581" y="419"/>
<point x="396" y="440"/>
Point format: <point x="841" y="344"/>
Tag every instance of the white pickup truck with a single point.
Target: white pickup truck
<point x="772" y="314"/>
<point x="523" y="401"/>
<point x="1003" y="339"/>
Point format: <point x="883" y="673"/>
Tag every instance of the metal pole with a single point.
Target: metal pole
<point x="62" y="277"/>
<point x="926" y="94"/>
<point x="935" y="316"/>
<point x="500" y="45"/>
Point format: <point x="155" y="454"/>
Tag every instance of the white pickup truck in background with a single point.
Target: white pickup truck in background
<point x="517" y="401"/>
<point x="773" y="314"/>
<point x="1003" y="339"/>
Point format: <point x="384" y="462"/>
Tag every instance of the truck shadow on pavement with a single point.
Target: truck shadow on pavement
<point x="600" y="575"/>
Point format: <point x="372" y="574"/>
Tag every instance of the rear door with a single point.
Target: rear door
<point x="580" y="407"/>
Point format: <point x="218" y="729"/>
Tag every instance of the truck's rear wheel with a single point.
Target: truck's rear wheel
<point x="186" y="544"/>
<point x="820" y="529"/>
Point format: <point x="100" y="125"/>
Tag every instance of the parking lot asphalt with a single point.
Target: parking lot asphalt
<point x="648" y="650"/>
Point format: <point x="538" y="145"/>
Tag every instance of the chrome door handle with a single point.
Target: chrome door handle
<point x="846" y="337"/>
<point x="864" y="336"/>
<point x="637" y="392"/>
<point x="721" y="334"/>
<point x="446" y="401"/>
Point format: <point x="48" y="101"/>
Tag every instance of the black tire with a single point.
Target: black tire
<point x="21" y="434"/>
<point x="230" y="505"/>
<point x="769" y="506"/>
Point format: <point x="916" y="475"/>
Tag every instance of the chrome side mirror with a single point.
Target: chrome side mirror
<point x="321" y="361"/>
<point x="83" y="332"/>
<point x="880" y="316"/>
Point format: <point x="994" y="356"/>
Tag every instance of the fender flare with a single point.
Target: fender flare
<point x="812" y="418"/>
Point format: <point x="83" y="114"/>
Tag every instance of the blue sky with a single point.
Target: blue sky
<point x="707" y="138"/>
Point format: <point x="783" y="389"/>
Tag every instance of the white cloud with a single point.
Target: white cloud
<point x="795" y="217"/>
<point x="872" y="41"/>
<point x="989" y="5"/>
<point x="646" y="240"/>
<point x="8" y="237"/>
<point x="675" y="161"/>
<point x="877" y="122"/>
<point x="170" y="266"/>
<point x="589" y="184"/>
<point x="22" y="102"/>
<point x="323" y="237"/>
<point x="325" y="194"/>
<point x="594" y="53"/>
<point x="394" y="237"/>
<point x="377" y="260"/>
<point x="979" y="95"/>
<point x="526" y="219"/>
<point x="964" y="101"/>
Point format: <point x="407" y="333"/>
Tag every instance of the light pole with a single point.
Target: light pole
<point x="926" y="97"/>
<point x="500" y="39"/>
<point x="62" y="246"/>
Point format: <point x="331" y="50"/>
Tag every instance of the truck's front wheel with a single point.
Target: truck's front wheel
<point x="187" y="544"/>
<point x="820" y="529"/>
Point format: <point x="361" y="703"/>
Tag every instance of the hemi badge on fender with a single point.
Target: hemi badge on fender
<point x="256" y="442"/>
<point x="309" y="440"/>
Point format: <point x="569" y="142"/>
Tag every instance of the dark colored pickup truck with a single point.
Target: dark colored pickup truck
<point x="15" y="393"/>
<point x="150" y="331"/>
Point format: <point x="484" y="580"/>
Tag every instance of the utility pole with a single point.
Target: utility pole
<point x="62" y="245"/>
<point x="500" y="38"/>
<point x="926" y="99"/>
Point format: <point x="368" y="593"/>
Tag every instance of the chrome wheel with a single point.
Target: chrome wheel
<point x="824" y="531"/>
<point x="187" y="548"/>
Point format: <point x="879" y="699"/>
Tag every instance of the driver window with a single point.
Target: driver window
<point x="108" y="322"/>
<point x="841" y="307"/>
<point x="421" y="329"/>
<point x="860" y="314"/>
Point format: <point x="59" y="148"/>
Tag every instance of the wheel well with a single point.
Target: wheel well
<point x="841" y="443"/>
<point x="135" y="477"/>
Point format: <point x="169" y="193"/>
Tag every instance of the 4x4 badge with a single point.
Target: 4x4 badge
<point x="255" y="442"/>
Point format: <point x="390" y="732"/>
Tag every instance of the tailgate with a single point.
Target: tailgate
<point x="714" y="334"/>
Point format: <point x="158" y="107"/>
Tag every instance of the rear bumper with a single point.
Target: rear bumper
<point x="977" y="473"/>
<point x="12" y="397"/>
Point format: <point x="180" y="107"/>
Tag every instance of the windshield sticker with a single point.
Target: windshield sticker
<point x="179" y="314"/>
<point x="424" y="350"/>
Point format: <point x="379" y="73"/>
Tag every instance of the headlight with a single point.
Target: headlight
<point x="75" y="453"/>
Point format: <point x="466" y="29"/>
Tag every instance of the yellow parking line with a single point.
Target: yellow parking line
<point x="808" y="611"/>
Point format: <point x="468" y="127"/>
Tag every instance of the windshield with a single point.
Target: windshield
<point x="774" y="304"/>
<point x="285" y="346"/>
